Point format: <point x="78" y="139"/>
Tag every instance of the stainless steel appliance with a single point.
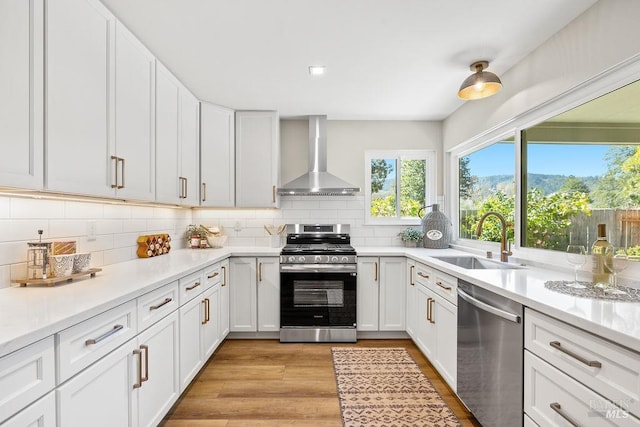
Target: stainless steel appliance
<point x="490" y="361"/>
<point x="318" y="284"/>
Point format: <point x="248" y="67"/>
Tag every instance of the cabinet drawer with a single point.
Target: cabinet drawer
<point x="616" y="374"/>
<point x="552" y="398"/>
<point x="25" y="375"/>
<point x="41" y="413"/>
<point x="212" y="275"/>
<point x="155" y="305"/>
<point x="82" y="344"/>
<point x="190" y="286"/>
<point x="424" y="275"/>
<point x="446" y="286"/>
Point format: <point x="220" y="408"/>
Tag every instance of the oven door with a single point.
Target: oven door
<point x="317" y="295"/>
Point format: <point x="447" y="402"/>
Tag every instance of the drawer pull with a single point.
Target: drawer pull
<point x="431" y="304"/>
<point x="104" y="336"/>
<point x="192" y="287"/>
<point x="558" y="409"/>
<point x="591" y="363"/>
<point x="413" y="267"/>
<point x="375" y="271"/>
<point x="146" y="363"/>
<point x="139" y="354"/>
<point x="213" y="275"/>
<point x="421" y="274"/>
<point x="446" y="288"/>
<point x="157" y="306"/>
<point x="224" y="275"/>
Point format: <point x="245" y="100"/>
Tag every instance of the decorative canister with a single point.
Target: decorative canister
<point x="436" y="227"/>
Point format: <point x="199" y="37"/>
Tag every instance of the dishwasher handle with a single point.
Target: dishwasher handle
<point x="488" y="308"/>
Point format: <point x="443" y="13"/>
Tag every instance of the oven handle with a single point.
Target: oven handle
<point x="489" y="308"/>
<point x="316" y="268"/>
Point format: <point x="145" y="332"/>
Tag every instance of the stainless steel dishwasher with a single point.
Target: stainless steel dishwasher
<point x="490" y="356"/>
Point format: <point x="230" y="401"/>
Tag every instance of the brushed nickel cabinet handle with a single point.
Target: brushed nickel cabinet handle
<point x="192" y="287"/>
<point x="104" y="336"/>
<point x="120" y="160"/>
<point x="424" y="276"/>
<point x="204" y="191"/>
<point x="139" y="354"/>
<point x="558" y="409"/>
<point x="591" y="363"/>
<point x="115" y="165"/>
<point x="224" y="275"/>
<point x="375" y="271"/>
<point x="411" y="269"/>
<point x="186" y="188"/>
<point x="259" y="272"/>
<point x="208" y="309"/>
<point x="429" y="309"/>
<point x="157" y="306"/>
<point x="146" y="363"/>
<point x="431" y="303"/>
<point x="446" y="288"/>
<point x="273" y="193"/>
<point x="213" y="275"/>
<point x="204" y="313"/>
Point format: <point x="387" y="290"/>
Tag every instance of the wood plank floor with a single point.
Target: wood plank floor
<point x="267" y="383"/>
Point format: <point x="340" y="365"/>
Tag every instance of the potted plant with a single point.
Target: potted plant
<point x="411" y="237"/>
<point x="194" y="234"/>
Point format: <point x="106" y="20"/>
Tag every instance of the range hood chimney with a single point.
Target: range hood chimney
<point x="317" y="182"/>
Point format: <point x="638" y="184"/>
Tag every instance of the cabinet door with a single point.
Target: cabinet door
<point x="41" y="413"/>
<point x="211" y="326"/>
<point x="102" y="395"/>
<point x="257" y="151"/>
<point x="269" y="294"/>
<point x="224" y="300"/>
<point x="189" y="168"/>
<point x="134" y="118"/>
<point x="392" y="294"/>
<point x="411" y="295"/>
<point x="243" y="295"/>
<point x="161" y="386"/>
<point x="425" y="331"/>
<point x="79" y="35"/>
<point x="21" y="65"/>
<point x="191" y="319"/>
<point x="168" y="186"/>
<point x="217" y="156"/>
<point x="446" y="328"/>
<point x="367" y="293"/>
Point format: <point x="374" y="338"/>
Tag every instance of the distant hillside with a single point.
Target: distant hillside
<point x="547" y="183"/>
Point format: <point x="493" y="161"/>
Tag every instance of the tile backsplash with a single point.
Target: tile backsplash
<point x="117" y="226"/>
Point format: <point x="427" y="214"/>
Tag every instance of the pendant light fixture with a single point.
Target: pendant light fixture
<point x="480" y="84"/>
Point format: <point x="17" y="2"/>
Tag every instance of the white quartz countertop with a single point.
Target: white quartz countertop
<point x="31" y="313"/>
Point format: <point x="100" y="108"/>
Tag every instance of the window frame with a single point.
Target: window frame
<point x="429" y="156"/>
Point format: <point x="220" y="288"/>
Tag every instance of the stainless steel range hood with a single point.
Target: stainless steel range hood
<point x="317" y="182"/>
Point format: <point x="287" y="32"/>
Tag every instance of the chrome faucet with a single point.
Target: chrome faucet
<point x="505" y="246"/>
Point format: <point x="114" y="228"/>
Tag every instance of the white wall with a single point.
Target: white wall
<point x="117" y="229"/>
<point x="604" y="36"/>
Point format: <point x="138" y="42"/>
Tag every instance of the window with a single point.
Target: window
<point x="487" y="183"/>
<point x="398" y="184"/>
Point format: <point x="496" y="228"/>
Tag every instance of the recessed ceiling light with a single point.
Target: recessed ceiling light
<point x="317" y="70"/>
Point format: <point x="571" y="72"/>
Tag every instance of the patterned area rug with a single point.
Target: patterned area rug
<point x="385" y="387"/>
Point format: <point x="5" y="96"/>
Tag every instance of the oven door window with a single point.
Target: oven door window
<point x="318" y="293"/>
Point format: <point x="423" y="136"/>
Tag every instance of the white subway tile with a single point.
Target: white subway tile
<point x="61" y="229"/>
<point x="141" y="212"/>
<point x="134" y="226"/>
<point x="306" y="204"/>
<point x="5" y="207"/>
<point x="241" y="241"/>
<point x="83" y="210"/>
<point x="114" y="256"/>
<point x="23" y="229"/>
<point x="117" y="211"/>
<point x="5" y="276"/>
<point x="13" y="252"/>
<point x="109" y="226"/>
<point x="332" y="204"/>
<point x="36" y="208"/>
<point x="17" y="272"/>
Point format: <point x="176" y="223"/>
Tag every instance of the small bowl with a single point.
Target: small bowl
<point x="81" y="262"/>
<point x="61" y="265"/>
<point x="216" y="241"/>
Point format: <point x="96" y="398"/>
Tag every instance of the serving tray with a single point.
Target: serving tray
<point x="50" y="281"/>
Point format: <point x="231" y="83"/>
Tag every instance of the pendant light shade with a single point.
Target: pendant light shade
<point x="480" y="84"/>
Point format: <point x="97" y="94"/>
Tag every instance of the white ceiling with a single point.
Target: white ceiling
<point x="386" y="59"/>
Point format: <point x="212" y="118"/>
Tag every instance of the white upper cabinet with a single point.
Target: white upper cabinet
<point x="217" y="156"/>
<point x="78" y="47"/>
<point x="133" y="169"/>
<point x="100" y="104"/>
<point x="21" y="65"/>
<point x="177" y="140"/>
<point x="257" y="159"/>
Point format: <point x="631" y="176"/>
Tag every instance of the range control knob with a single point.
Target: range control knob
<point x="302" y="259"/>
<point x="318" y="258"/>
<point x="344" y="259"/>
<point x="292" y="259"/>
<point x="334" y="259"/>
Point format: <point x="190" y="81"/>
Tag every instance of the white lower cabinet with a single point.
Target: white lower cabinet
<point x="224" y="299"/>
<point x="381" y="294"/>
<point x="41" y="413"/>
<point x="254" y="294"/>
<point x="411" y="300"/>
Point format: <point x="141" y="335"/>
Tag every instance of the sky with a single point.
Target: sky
<point x="551" y="159"/>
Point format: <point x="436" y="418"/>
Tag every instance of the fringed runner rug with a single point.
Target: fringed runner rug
<point x="385" y="387"/>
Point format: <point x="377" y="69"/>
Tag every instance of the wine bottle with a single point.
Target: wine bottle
<point x="601" y="249"/>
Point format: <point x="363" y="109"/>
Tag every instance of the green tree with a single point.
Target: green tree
<point x="380" y="169"/>
<point x="618" y="186"/>
<point x="467" y="182"/>
<point x="412" y="183"/>
<point x="573" y="184"/>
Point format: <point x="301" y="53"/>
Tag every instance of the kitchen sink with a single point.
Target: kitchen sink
<point x="475" y="263"/>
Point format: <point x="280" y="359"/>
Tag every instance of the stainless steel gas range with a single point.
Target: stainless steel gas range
<point x="318" y="284"/>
